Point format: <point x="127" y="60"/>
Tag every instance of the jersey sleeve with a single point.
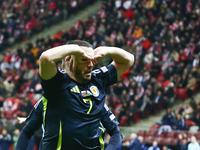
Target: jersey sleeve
<point x="33" y="122"/>
<point x="107" y="75"/>
<point x="108" y="120"/>
<point x="55" y="82"/>
<point x="35" y="118"/>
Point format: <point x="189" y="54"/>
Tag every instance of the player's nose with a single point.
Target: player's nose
<point x="91" y="63"/>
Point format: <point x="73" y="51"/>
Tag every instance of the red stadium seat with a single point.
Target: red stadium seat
<point x="155" y="126"/>
<point x="147" y="112"/>
<point x="164" y="84"/>
<point x="34" y="101"/>
<point x="11" y="147"/>
<point x="159" y="140"/>
<point x="8" y="114"/>
<point x="162" y="72"/>
<point x="152" y="132"/>
<point x="127" y="138"/>
<point x="173" y="141"/>
<point x="182" y="94"/>
<point x="190" y="134"/>
<point x="171" y="135"/>
<point x="196" y="88"/>
<point x="149" y="139"/>
<point x="123" y="120"/>
<point x="168" y="141"/>
<point x="160" y="78"/>
<point x="142" y="133"/>
<point x="164" y="134"/>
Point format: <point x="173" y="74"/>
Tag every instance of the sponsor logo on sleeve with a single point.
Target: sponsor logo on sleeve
<point x="104" y="69"/>
<point x="112" y="117"/>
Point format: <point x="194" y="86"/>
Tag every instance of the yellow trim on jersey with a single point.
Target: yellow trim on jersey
<point x="75" y="89"/>
<point x="44" y="100"/>
<point x="101" y="141"/>
<point x="60" y="138"/>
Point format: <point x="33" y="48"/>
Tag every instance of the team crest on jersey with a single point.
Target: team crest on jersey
<point x="94" y="91"/>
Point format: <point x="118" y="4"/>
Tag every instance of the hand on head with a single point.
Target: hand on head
<point x="84" y="54"/>
<point x="98" y="55"/>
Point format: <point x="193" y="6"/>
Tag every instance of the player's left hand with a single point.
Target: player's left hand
<point x="99" y="54"/>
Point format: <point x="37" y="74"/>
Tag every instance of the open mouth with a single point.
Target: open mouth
<point x="88" y="72"/>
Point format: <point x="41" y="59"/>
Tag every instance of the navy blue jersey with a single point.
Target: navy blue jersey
<point x="74" y="114"/>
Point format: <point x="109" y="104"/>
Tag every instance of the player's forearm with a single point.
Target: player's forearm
<point x="119" y="55"/>
<point x="57" y="53"/>
<point x="115" y="140"/>
<point x="23" y="141"/>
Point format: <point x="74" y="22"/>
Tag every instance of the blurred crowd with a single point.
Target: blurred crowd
<point x="133" y="141"/>
<point x="163" y="35"/>
<point x="21" y="18"/>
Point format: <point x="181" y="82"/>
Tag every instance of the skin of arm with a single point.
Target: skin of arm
<point x="48" y="59"/>
<point x="122" y="60"/>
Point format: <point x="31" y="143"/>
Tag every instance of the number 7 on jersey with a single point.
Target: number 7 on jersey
<point x="90" y="102"/>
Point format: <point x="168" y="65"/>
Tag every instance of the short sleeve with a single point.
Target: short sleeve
<point x="107" y="74"/>
<point x="108" y="119"/>
<point x="55" y="82"/>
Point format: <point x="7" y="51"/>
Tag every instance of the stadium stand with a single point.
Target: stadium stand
<point x="163" y="36"/>
<point x="22" y="18"/>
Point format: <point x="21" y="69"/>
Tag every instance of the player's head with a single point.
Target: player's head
<point x="83" y="71"/>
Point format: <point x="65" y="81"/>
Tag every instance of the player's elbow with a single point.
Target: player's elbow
<point x="44" y="58"/>
<point x="131" y="60"/>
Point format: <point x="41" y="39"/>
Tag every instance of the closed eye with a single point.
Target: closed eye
<point x="84" y="59"/>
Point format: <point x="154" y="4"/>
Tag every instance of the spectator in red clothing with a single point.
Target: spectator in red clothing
<point x="146" y="44"/>
<point x="129" y="14"/>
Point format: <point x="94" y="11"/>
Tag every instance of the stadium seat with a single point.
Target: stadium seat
<point x="159" y="107"/>
<point x="127" y="138"/>
<point x="8" y="114"/>
<point x="155" y="126"/>
<point x="160" y="140"/>
<point x="152" y="132"/>
<point x="182" y="94"/>
<point x="34" y="102"/>
<point x="11" y="147"/>
<point x="169" y="141"/>
<point x="149" y="139"/>
<point x="164" y="84"/>
<point x="171" y="135"/>
<point x="196" y="88"/>
<point x="162" y="72"/>
<point x="142" y="133"/>
<point x="123" y="120"/>
<point x="160" y="78"/>
<point x="147" y="112"/>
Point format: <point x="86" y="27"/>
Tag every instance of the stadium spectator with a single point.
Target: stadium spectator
<point x="171" y="27"/>
<point x="194" y="144"/>
<point x="182" y="142"/>
<point x="154" y="146"/>
<point x="191" y="84"/>
<point x="169" y="118"/>
<point x="134" y="142"/>
<point x="188" y="111"/>
<point x="179" y="123"/>
<point x="15" y="137"/>
<point x="5" y="140"/>
<point x="142" y="143"/>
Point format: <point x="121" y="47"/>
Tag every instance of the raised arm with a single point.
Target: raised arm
<point x="122" y="60"/>
<point x="48" y="59"/>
